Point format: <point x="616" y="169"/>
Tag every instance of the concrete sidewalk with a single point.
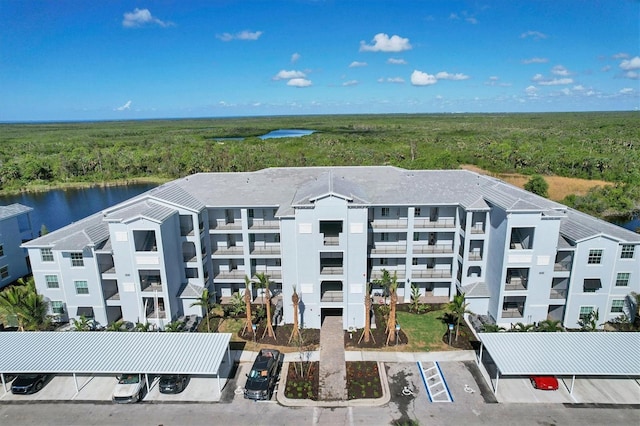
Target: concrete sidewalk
<point x="383" y="356"/>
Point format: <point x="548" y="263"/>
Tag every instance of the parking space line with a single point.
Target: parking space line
<point x="435" y="384"/>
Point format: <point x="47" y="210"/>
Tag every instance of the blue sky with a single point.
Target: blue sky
<point x="102" y="60"/>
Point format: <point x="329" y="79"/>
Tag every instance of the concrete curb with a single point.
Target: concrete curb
<point x="369" y="402"/>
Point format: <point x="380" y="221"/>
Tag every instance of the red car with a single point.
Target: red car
<point x="544" y="382"/>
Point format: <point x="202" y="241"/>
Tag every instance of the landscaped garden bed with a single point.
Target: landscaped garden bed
<point x="302" y="381"/>
<point x="363" y="380"/>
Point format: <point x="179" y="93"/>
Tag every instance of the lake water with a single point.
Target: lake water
<point x="280" y="133"/>
<point x="60" y="207"/>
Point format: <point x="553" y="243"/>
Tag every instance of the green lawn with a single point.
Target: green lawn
<point x="424" y="331"/>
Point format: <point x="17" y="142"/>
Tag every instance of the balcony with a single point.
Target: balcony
<point x="389" y="224"/>
<point x="445" y="222"/>
<point x="475" y="255"/>
<point x="273" y="249"/>
<point x="515" y="312"/>
<point x="331" y="270"/>
<point x="477" y="228"/>
<point x="376" y="274"/>
<point x="513" y="307"/>
<point x="558" y="293"/>
<point x="563" y="265"/>
<point x="516" y="283"/>
<point x="430" y="273"/>
<point x="263" y="224"/>
<point x="331" y="240"/>
<point x="223" y="225"/>
<point x="433" y="248"/>
<point x="228" y="251"/>
<point x="231" y="274"/>
<point x="388" y="249"/>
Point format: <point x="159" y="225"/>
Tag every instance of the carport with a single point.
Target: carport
<point x="562" y="354"/>
<point x="104" y="352"/>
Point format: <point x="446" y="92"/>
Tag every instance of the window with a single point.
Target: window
<point x="595" y="257"/>
<point x="627" y="251"/>
<point x="585" y="312"/>
<point x="416" y="212"/>
<point x="46" y="255"/>
<point x="616" y="306"/>
<point x="57" y="307"/>
<point x="622" y="279"/>
<point x="1" y="250"/>
<point x="416" y="236"/>
<point x="76" y="259"/>
<point x="81" y="287"/>
<point x="384" y="237"/>
<point x="250" y="213"/>
<point x="384" y="261"/>
<point x="52" y="281"/>
<point x="385" y="211"/>
<point x="4" y="272"/>
<point x="414" y="261"/>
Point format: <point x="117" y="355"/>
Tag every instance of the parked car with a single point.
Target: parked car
<point x="264" y="375"/>
<point x="130" y="388"/>
<point x="29" y="383"/>
<point x="544" y="382"/>
<point x="173" y="383"/>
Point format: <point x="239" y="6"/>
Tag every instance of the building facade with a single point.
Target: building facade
<point x="15" y="228"/>
<point x="327" y="232"/>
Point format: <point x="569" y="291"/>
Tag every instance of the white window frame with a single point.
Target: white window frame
<point x="50" y="282"/>
<point x="620" y="279"/>
<point x="46" y="255"/>
<point x="83" y="287"/>
<point x="583" y="314"/>
<point x="75" y="261"/>
<point x="385" y="212"/>
<point x="595" y="257"/>
<point x="57" y="307"/>
<point x="627" y="251"/>
<point x="617" y="304"/>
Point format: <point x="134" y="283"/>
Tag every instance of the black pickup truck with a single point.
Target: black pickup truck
<point x="264" y="375"/>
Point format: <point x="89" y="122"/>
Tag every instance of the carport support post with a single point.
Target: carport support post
<point x="4" y="384"/>
<point x="75" y="380"/>
<point x="219" y="388"/>
<point x="146" y="378"/>
<point x="479" y="359"/>
<point x="573" y="379"/>
<point x="495" y="389"/>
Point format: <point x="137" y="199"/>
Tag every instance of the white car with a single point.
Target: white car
<point x="130" y="388"/>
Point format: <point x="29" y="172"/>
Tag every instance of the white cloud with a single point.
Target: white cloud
<point x="606" y="68"/>
<point x="536" y="35"/>
<point x="471" y="20"/>
<point x="531" y="90"/>
<point x="630" y="64"/>
<point x="124" y="107"/>
<point x="242" y="35"/>
<point x="626" y="91"/>
<point x="299" y="82"/>
<point x="419" y="78"/>
<point x="560" y="70"/>
<point x="555" y="81"/>
<point x="620" y="55"/>
<point x="286" y="75"/>
<point x="632" y="75"/>
<point x="399" y="80"/>
<point x="443" y="75"/>
<point x="141" y="17"/>
<point x="396" y="61"/>
<point x="383" y="43"/>
<point x="350" y="83"/>
<point x="535" y="60"/>
<point x="295" y="58"/>
<point x="356" y="64"/>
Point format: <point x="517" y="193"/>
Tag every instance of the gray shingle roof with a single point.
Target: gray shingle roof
<point x="12" y="210"/>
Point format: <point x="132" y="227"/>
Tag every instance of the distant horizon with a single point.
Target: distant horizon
<point x="78" y="61"/>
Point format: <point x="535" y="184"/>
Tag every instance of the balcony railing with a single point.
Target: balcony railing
<point x="222" y="225"/>
<point x="264" y="224"/>
<point x="437" y="248"/>
<point x="331" y="240"/>
<point x="376" y="274"/>
<point x="233" y="274"/>
<point x="150" y="286"/>
<point x="389" y="249"/>
<point x="430" y="273"/>
<point x="331" y="270"/>
<point x="332" y="296"/>
<point x="558" y="294"/>
<point x="475" y="255"/>
<point x="516" y="283"/>
<point x="232" y="250"/>
<point x="440" y="223"/>
<point x="270" y="249"/>
<point x="389" y="224"/>
<point x="563" y="265"/>
<point x="477" y="228"/>
<point x="513" y="312"/>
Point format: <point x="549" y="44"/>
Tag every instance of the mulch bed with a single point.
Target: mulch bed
<point x="310" y="336"/>
<point x="363" y="380"/>
<point x="303" y="387"/>
<point x="466" y="339"/>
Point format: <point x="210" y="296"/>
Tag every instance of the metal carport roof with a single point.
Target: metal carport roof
<point x="563" y="353"/>
<point x="104" y="352"/>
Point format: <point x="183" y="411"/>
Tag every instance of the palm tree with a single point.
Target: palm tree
<point x="393" y="294"/>
<point x="248" y="325"/>
<point x="458" y="307"/>
<point x="12" y="306"/>
<point x="491" y="328"/>
<point x="205" y="303"/>
<point x="34" y="305"/>
<point x="116" y="326"/>
<point x="366" y="332"/>
<point x="173" y="327"/>
<point x="264" y="283"/>
<point x="384" y="282"/>
<point x="81" y="324"/>
<point x="295" y="299"/>
<point x="144" y="327"/>
<point x="522" y="327"/>
<point x="549" y="325"/>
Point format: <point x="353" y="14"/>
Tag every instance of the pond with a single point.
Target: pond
<point x="60" y="207"/>
<point x="280" y="133"/>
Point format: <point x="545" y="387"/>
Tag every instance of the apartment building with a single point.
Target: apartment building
<point x="329" y="231"/>
<point x="15" y="228"/>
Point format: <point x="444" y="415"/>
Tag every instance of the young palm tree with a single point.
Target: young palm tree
<point x="173" y="327"/>
<point x="22" y="303"/>
<point x="458" y="307"/>
<point x="549" y="325"/>
<point x="116" y="326"/>
<point x="366" y="332"/>
<point x="144" y="327"/>
<point x="248" y="324"/>
<point x="393" y="294"/>
<point x="81" y="324"/>
<point x="522" y="327"/>
<point x="264" y="283"/>
<point x="295" y="299"/>
<point x="12" y="306"/>
<point x="205" y="303"/>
